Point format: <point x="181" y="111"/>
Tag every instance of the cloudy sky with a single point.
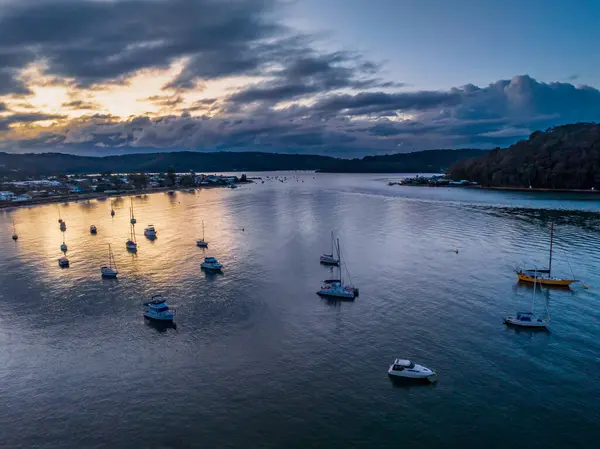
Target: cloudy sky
<point x="338" y="77"/>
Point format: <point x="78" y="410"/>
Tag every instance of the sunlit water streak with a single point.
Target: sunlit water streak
<point x="258" y="360"/>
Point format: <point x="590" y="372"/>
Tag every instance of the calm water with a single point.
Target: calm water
<point x="259" y="360"/>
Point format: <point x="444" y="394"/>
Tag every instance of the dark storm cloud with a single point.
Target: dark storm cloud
<point x="103" y="41"/>
<point x="25" y="118"/>
<point x="306" y="74"/>
<point x="366" y="103"/>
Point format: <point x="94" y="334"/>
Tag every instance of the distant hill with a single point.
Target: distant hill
<point x="563" y="157"/>
<point x="430" y="161"/>
<point x="19" y="165"/>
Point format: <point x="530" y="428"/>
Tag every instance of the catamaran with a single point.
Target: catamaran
<point x="546" y="278"/>
<point x="529" y="319"/>
<point x="111" y="270"/>
<point x="330" y="259"/>
<point x="335" y="288"/>
<point x="202" y="243"/>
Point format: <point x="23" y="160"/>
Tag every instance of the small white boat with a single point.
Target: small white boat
<point x="93" y="229"/>
<point x="111" y="270"/>
<point x="330" y="259"/>
<point x="202" y="243"/>
<point x="212" y="264"/>
<point x="158" y="310"/>
<point x="150" y="232"/>
<point x="63" y="262"/>
<point x="529" y="319"/>
<point x="335" y="288"/>
<point x="405" y="369"/>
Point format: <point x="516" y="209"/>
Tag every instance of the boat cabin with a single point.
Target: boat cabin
<point x="400" y="365"/>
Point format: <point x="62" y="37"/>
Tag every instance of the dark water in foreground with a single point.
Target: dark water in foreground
<point x="258" y="360"/>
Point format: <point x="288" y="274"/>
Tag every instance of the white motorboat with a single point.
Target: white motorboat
<point x="131" y="244"/>
<point x="335" y="288"/>
<point x="202" y="243"/>
<point x="212" y="264"/>
<point x="529" y="319"/>
<point x="63" y="262"/>
<point x="405" y="369"/>
<point x="158" y="310"/>
<point x="330" y="259"/>
<point x="93" y="229"/>
<point x="150" y="232"/>
<point x="111" y="270"/>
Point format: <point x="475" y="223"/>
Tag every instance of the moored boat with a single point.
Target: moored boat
<point x="110" y="271"/>
<point x="211" y="264"/>
<point x="336" y="288"/>
<point x="403" y="369"/>
<point x="544" y="276"/>
<point x="158" y="310"/>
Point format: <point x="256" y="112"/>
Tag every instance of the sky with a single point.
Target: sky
<point x="345" y="78"/>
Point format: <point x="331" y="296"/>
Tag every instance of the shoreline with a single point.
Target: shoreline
<point x="513" y="189"/>
<point x="79" y="197"/>
<point x="536" y="189"/>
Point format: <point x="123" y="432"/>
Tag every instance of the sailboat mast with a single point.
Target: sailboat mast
<point x="203" y="231"/>
<point x="339" y="256"/>
<point x="332" y="240"/>
<point x="551" y="240"/>
<point x="533" y="297"/>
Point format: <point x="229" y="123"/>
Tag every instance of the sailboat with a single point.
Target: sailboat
<point x="529" y="319"/>
<point x="546" y="278"/>
<point x="59" y="217"/>
<point x="132" y="220"/>
<point x="131" y="244"/>
<point x="335" y="288"/>
<point x="111" y="270"/>
<point x="63" y="245"/>
<point x="202" y="243"/>
<point x="15" y="237"/>
<point x="330" y="259"/>
<point x="112" y="210"/>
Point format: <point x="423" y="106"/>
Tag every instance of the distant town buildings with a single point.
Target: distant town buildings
<point x="109" y="184"/>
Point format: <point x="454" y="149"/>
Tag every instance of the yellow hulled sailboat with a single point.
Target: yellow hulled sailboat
<point x="544" y="277"/>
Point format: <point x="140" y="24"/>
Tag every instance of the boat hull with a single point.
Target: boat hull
<point x="159" y="319"/>
<point x="210" y="267"/>
<point x="336" y="295"/>
<point x="511" y="321"/>
<point x="545" y="281"/>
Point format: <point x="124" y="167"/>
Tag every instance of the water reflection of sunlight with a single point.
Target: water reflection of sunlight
<point x="171" y="258"/>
